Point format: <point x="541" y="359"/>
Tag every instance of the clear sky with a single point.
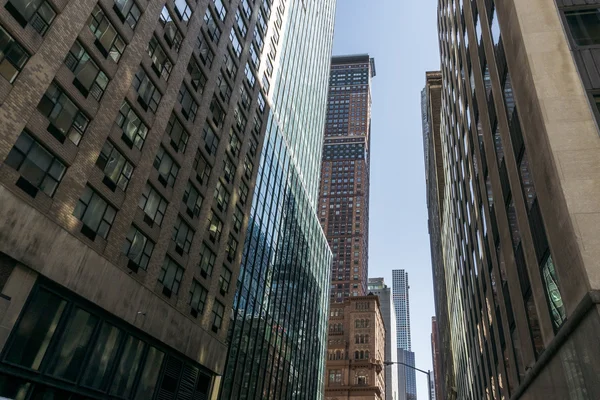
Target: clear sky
<point x="402" y="37"/>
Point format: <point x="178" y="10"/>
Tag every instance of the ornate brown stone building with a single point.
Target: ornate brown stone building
<point x="355" y="350"/>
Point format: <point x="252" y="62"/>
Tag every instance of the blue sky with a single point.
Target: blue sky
<point x="402" y="37"/>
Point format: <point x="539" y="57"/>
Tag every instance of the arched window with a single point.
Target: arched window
<point x="357" y="323"/>
<point x="357" y="339"/>
<point x="338" y="355"/>
<point x="367" y="354"/>
<point x="330" y="356"/>
<point x="356" y="355"/>
<point x="362" y="354"/>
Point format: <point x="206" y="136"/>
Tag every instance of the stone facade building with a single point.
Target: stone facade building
<point x="356" y="350"/>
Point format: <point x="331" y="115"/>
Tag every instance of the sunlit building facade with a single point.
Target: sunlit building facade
<point x="278" y="331"/>
<point x="407" y="380"/>
<point x="519" y="136"/>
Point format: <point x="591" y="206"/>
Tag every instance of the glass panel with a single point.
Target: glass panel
<point x="128" y="366"/>
<point x="13" y="388"/>
<point x="103" y="357"/>
<point x="71" y="349"/>
<point x="35" y="330"/>
<point x="150" y="373"/>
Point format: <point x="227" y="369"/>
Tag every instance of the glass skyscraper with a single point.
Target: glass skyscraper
<point x="278" y="333"/>
<point x="407" y="380"/>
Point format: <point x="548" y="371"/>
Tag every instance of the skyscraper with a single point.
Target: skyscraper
<point x="407" y="379"/>
<point x="520" y="138"/>
<point x="344" y="197"/>
<point x="431" y="103"/>
<point x="378" y="287"/>
<point x="130" y="143"/>
<point x="279" y="328"/>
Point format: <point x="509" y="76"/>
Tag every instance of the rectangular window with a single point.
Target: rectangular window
<point x="207" y="261"/>
<point x="257" y="126"/>
<point x="246" y="8"/>
<point x="228" y="170"/>
<point x="138" y="248"/>
<point x="183" y="236"/>
<point x="238" y="218"/>
<point x="243" y="193"/>
<point x="218" y="310"/>
<point x="221" y="197"/>
<point x="254" y="56"/>
<point x="193" y="200"/>
<point x="204" y="51"/>
<point x="38" y="13"/>
<point x="197" y="77"/>
<point x="89" y="79"/>
<point x="214" y="33"/>
<point x="248" y="168"/>
<point x="117" y="170"/>
<point x="229" y="65"/>
<point x="183" y="11"/>
<point x="584" y="26"/>
<point x="223" y="88"/>
<point x="66" y="120"/>
<point x="215" y="226"/>
<point x="234" y="143"/>
<point x="202" y="168"/>
<point x="241" y="25"/>
<point x="134" y="130"/>
<point x="224" y="281"/>
<point x="128" y="12"/>
<point x="221" y="10"/>
<point x="235" y="43"/>
<point x="211" y="141"/>
<point x="39" y="168"/>
<point x="172" y="35"/>
<point x="197" y="299"/>
<point x="249" y="75"/>
<point x="95" y="213"/>
<point x="261" y="23"/>
<point x="166" y="167"/>
<point x="232" y="246"/>
<point x="161" y="63"/>
<point x="177" y="133"/>
<point x="189" y="107"/>
<point x="12" y="56"/>
<point x="153" y="205"/>
<point x="258" y="39"/>
<point x="261" y="102"/>
<point x="148" y="94"/>
<point x="244" y="97"/>
<point x="239" y="118"/>
<point x="108" y="41"/>
<point x="170" y="276"/>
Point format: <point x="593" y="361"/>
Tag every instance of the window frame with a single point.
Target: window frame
<point x="7" y="56"/>
<point x="88" y="230"/>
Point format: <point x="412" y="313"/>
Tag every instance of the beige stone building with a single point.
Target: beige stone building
<point x="355" y="350"/>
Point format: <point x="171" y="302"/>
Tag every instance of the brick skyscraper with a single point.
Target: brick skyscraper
<point x="344" y="197"/>
<point x="130" y="140"/>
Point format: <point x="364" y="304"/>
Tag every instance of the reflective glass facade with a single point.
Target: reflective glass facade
<point x="278" y="333"/>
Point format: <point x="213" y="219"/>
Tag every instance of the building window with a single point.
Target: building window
<point x="193" y="200"/>
<point x="134" y="130"/>
<point x="12" y="56"/>
<point x="204" y="51"/>
<point x="128" y="12"/>
<point x="221" y="10"/>
<point x="224" y="281"/>
<point x="231" y="249"/>
<point x="189" y="107"/>
<point x="207" y="261"/>
<point x="38" y="13"/>
<point x="244" y="98"/>
<point x="239" y="118"/>
<point x="117" y="170"/>
<point x="216" y="113"/>
<point x="218" y="310"/>
<point x="584" y="26"/>
<point x="229" y="65"/>
<point x="171" y="33"/>
<point x="39" y="168"/>
<point x="211" y="141"/>
<point x="238" y="217"/>
<point x="138" y="248"/>
<point x="183" y="11"/>
<point x="555" y="302"/>
<point x="182" y="236"/>
<point x="362" y="380"/>
<point x="221" y="197"/>
<point x="170" y="276"/>
<point x="148" y="94"/>
<point x="197" y="299"/>
<point x="66" y="120"/>
<point x="223" y="88"/>
<point x="248" y="168"/>
<point x="153" y="205"/>
<point x="95" y="213"/>
<point x="202" y="168"/>
<point x="197" y="77"/>
<point x="234" y="143"/>
<point x="239" y="22"/>
<point x="335" y="376"/>
<point x="249" y="75"/>
<point x="215" y="226"/>
<point x="177" y="133"/>
<point x="261" y="102"/>
<point x="228" y="170"/>
<point x="108" y="41"/>
<point x="161" y="63"/>
<point x="211" y="27"/>
<point x="243" y="193"/>
<point x="235" y="43"/>
<point x="166" y="167"/>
